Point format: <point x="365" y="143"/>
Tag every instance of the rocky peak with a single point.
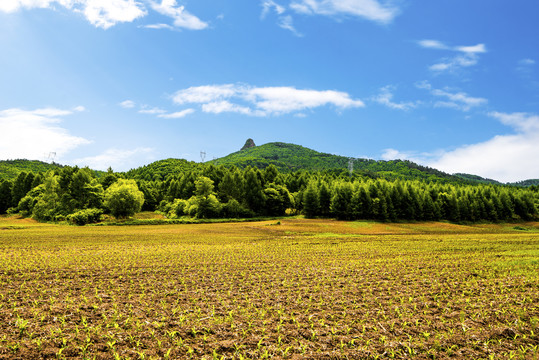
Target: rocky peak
<point x="248" y="144"/>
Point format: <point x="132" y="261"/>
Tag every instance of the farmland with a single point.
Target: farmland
<point x="297" y="288"/>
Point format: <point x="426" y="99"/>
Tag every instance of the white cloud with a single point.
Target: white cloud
<point x="267" y="5"/>
<point x="31" y="134"/>
<point x="506" y="158"/>
<point x="386" y="96"/>
<point x="159" y="26"/>
<point x="127" y="104"/>
<point x="218" y="107"/>
<point x="523" y="122"/>
<point x="420" y="158"/>
<point x="455" y="63"/>
<point x="289" y="99"/>
<point x="118" y="159"/>
<point x="261" y="101"/>
<point x="284" y="21"/>
<point x="79" y="108"/>
<point x="475" y="49"/>
<point x="459" y="100"/>
<point x="151" y="111"/>
<point x="467" y="55"/>
<point x="101" y="13"/>
<point x="182" y="18"/>
<point x="392" y="154"/>
<point x="203" y="94"/>
<point x="382" y="12"/>
<point x="177" y="115"/>
<point x="287" y="22"/>
<point x="14" y="5"/>
<point x="433" y="44"/>
<point x="107" y="13"/>
<point x="454" y="100"/>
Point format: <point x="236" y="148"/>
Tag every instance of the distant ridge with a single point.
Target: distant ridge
<point x="477" y="178"/>
<point x="286" y="157"/>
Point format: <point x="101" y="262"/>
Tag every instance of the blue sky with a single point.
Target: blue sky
<point x="449" y="84"/>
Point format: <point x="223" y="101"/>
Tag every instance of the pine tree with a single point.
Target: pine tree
<point x="311" y="204"/>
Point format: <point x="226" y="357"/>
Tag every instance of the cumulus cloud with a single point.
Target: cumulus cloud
<point x="507" y="158"/>
<point x="261" y="101"/>
<point x="218" y="107"/>
<point x="107" y="13"/>
<point x="14" y="5"/>
<point x="118" y="159"/>
<point x="454" y="100"/>
<point x="374" y="10"/>
<point x="466" y="55"/>
<point x="181" y="17"/>
<point x="31" y="134"/>
<point x="386" y="98"/>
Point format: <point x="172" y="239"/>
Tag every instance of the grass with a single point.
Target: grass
<point x="314" y="289"/>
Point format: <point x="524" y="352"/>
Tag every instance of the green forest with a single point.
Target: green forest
<point x="80" y="195"/>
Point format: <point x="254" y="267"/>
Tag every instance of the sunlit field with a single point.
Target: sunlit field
<point x="296" y="288"/>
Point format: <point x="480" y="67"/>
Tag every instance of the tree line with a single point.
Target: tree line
<point x="210" y="191"/>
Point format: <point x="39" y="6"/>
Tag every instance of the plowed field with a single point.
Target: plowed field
<point x="316" y="289"/>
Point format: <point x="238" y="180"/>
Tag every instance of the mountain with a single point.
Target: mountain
<point x="286" y="157"/>
<point x="9" y="169"/>
<point x="289" y="157"/>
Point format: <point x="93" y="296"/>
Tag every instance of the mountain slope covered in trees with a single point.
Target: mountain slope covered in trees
<point x="160" y="170"/>
<point x="289" y="157"/>
<point x="10" y="169"/>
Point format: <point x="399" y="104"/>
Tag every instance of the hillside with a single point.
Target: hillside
<point x="477" y="179"/>
<point x="9" y="169"/>
<point x="290" y="157"/>
<point x="526" y="183"/>
<point x="286" y="157"/>
<point x="159" y="170"/>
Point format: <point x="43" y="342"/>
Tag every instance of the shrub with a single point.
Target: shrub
<point x="86" y="216"/>
<point x="123" y="198"/>
<point x="179" y="207"/>
<point x="233" y="209"/>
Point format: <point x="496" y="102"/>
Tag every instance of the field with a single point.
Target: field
<point x="297" y="288"/>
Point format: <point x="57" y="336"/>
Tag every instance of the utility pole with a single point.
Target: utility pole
<point x="203" y="155"/>
<point x="51" y="157"/>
